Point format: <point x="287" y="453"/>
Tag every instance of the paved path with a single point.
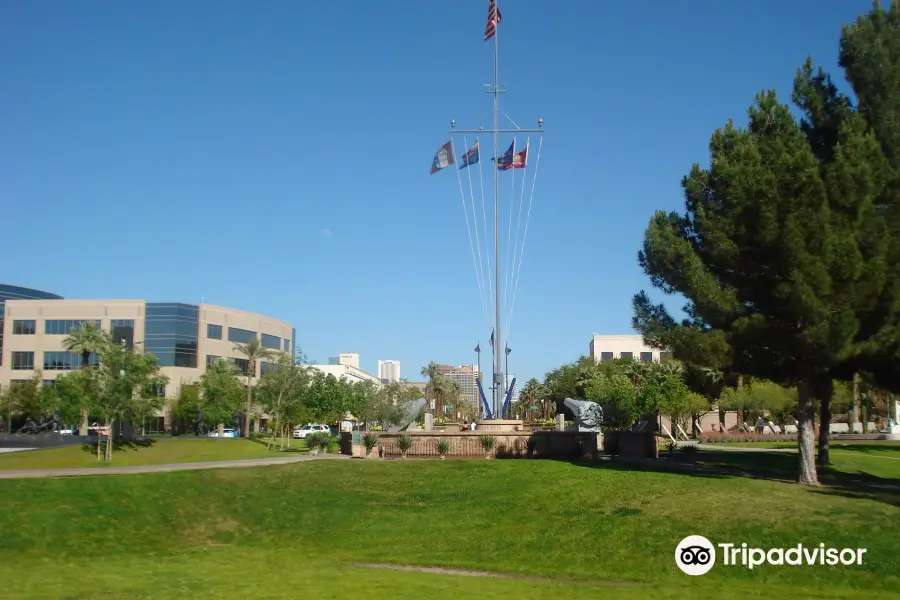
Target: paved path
<point x="729" y="448"/>
<point x="218" y="464"/>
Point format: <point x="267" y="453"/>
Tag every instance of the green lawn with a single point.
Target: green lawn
<point x="891" y="448"/>
<point x="162" y="451"/>
<point x="298" y="531"/>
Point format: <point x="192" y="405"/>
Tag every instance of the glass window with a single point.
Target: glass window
<point x="213" y="332"/>
<point x="287" y="345"/>
<point x="271" y="341"/>
<point x="242" y="364"/>
<point x="240" y="336"/>
<point x="647" y="356"/>
<point x="664" y="356"/>
<point x="22" y="361"/>
<point x="626" y="355"/>
<point x="172" y="330"/>
<point x="122" y="330"/>
<point x="606" y="356"/>
<point x="26" y="327"/>
<point x="211" y="358"/>
<point x="65" y="326"/>
<point x="66" y="361"/>
<point x="265" y="367"/>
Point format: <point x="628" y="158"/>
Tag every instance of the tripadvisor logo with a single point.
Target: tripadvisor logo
<point x="696" y="555"/>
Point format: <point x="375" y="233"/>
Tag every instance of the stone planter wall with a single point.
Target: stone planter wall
<point x="509" y="444"/>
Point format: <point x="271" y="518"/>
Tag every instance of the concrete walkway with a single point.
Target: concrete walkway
<point x="196" y="466"/>
<point x="730" y="448"/>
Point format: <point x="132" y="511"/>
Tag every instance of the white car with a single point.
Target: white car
<point x="226" y="433"/>
<point x="301" y="432"/>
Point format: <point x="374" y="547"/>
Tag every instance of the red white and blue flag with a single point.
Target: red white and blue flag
<point x="512" y="159"/>
<point x="471" y="156"/>
<point x="492" y="20"/>
<point x="443" y="158"/>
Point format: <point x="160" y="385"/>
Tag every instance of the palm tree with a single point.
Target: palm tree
<point x="532" y="394"/>
<point x="253" y="351"/>
<point x="432" y="372"/>
<point x="86" y="339"/>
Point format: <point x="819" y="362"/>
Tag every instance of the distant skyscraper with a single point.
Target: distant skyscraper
<point x="389" y="370"/>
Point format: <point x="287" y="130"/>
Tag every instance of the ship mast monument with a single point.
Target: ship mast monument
<point x="510" y="160"/>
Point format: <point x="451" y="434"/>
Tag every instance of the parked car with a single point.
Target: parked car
<point x="226" y="433"/>
<point x="301" y="432"/>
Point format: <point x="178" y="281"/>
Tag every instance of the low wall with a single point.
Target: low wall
<point x="631" y="444"/>
<point x="509" y="444"/>
<point x="739" y="436"/>
<point x="43" y="440"/>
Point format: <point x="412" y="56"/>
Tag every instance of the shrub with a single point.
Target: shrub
<point x="369" y="440"/>
<point x="671" y="447"/>
<point x="689" y="450"/>
<point x="443" y="447"/>
<point x="318" y="441"/>
<point x="487" y="443"/>
<point x="404" y="442"/>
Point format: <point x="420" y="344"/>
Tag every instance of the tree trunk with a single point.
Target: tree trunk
<point x="855" y="426"/>
<point x="245" y="432"/>
<point x="109" y="435"/>
<point x="822" y="459"/>
<point x="83" y="429"/>
<point x="806" y="469"/>
<point x="99" y="441"/>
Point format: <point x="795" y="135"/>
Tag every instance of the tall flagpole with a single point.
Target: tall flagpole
<point x="497" y="379"/>
<point x="498" y="370"/>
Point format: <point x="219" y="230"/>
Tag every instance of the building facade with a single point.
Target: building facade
<point x="465" y="376"/>
<point x="347" y="372"/>
<point x="351" y="359"/>
<point x="608" y="347"/>
<point x="389" y="370"/>
<point x="185" y="338"/>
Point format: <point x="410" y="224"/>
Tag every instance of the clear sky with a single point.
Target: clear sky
<point x="273" y="156"/>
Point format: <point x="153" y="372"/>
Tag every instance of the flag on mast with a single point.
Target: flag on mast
<point x="494" y="17"/>
<point x="470" y="157"/>
<point x="520" y="160"/>
<point x="492" y="338"/>
<point x="478" y="347"/>
<point x="443" y="159"/>
<point x="504" y="162"/>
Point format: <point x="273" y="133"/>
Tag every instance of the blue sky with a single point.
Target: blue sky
<point x="274" y="156"/>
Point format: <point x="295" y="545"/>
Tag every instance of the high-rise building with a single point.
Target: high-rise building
<point x="465" y="376"/>
<point x="389" y="370"/>
<point x="349" y="359"/>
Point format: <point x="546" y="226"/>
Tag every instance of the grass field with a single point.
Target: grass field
<point x="300" y="531"/>
<point x="162" y="451"/>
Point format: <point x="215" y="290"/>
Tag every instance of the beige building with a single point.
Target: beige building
<point x="348" y="373"/>
<point x="465" y="376"/>
<point x="184" y="337"/>
<point x="608" y="347"/>
<point x="350" y="359"/>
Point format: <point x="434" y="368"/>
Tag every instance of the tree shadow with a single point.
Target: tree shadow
<point x="119" y="445"/>
<point x="882" y="448"/>
<point x="769" y="466"/>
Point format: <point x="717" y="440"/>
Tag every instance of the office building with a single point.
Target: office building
<point x="349" y="359"/>
<point x="389" y="370"/>
<point x="608" y="347"/>
<point x="185" y="338"/>
<point x="465" y="376"/>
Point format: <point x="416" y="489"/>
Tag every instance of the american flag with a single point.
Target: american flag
<point x="494" y="17"/>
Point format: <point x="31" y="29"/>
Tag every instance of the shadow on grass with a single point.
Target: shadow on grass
<point x="882" y="448"/>
<point x="119" y="445"/>
<point x="771" y="466"/>
<point x="299" y="448"/>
